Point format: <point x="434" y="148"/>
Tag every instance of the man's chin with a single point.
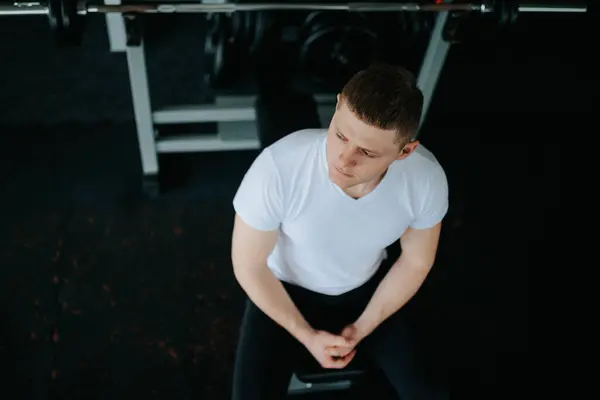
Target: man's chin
<point x="340" y="181"/>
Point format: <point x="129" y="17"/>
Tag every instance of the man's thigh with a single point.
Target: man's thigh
<point x="264" y="358"/>
<point x="406" y="359"/>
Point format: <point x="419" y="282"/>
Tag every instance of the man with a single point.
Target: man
<point x="314" y="215"/>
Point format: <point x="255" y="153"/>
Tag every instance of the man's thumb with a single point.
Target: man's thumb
<point x="348" y="332"/>
<point x="341" y="341"/>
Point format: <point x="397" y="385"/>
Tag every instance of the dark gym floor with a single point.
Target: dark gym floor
<point x="108" y="295"/>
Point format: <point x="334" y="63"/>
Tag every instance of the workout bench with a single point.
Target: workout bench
<point x="310" y="377"/>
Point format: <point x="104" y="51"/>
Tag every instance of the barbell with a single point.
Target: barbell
<point x="66" y="17"/>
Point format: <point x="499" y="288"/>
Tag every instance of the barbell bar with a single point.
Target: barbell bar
<point x="66" y="17"/>
<point x="84" y="8"/>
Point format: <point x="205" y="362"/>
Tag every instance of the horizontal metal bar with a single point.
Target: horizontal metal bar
<point x="203" y="113"/>
<point x="203" y="143"/>
<point x="23" y="9"/>
<point x="40" y="8"/>
<point x="558" y="8"/>
<point x="350" y="7"/>
<point x="234" y="7"/>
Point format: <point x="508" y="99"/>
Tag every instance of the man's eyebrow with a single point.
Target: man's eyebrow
<point x="367" y="150"/>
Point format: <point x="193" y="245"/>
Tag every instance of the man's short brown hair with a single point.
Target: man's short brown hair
<point x="387" y="97"/>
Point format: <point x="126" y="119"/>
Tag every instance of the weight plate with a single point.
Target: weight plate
<point x="211" y="38"/>
<point x="238" y="26"/>
<point x="502" y="14"/>
<point x="332" y="55"/>
<point x="55" y="20"/>
<point x="226" y="61"/>
<point x="249" y="21"/>
<point x="336" y="46"/>
<point x="453" y="31"/>
<point x="72" y="23"/>
<point x="423" y="22"/>
<point x="309" y="22"/>
<point x="248" y="28"/>
<point x="513" y="12"/>
<point x="505" y="13"/>
<point x="263" y="25"/>
<point x="416" y="24"/>
<point x="324" y="19"/>
<point x="404" y="25"/>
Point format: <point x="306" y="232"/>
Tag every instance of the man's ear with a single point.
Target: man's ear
<point x="408" y="149"/>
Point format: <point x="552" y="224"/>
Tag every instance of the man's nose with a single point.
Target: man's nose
<point x="346" y="157"/>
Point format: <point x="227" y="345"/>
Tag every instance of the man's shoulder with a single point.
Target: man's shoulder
<point x="296" y="148"/>
<point x="424" y="163"/>
<point x="421" y="170"/>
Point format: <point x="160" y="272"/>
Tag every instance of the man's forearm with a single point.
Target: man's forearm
<point x="268" y="293"/>
<point x="399" y="285"/>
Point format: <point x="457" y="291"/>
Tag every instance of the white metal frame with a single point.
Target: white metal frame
<point x="235" y="115"/>
<point x="115" y="28"/>
<point x="433" y="62"/>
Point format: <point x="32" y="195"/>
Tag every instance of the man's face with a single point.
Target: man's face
<point x="358" y="153"/>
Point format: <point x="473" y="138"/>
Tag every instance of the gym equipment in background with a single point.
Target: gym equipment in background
<point x="238" y="29"/>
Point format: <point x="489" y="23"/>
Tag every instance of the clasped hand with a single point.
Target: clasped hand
<point x="334" y="351"/>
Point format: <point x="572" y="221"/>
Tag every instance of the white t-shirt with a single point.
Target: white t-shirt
<point x="329" y="242"/>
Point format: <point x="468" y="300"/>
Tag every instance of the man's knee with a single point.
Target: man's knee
<point x="408" y="363"/>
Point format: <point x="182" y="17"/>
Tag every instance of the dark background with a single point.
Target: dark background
<point x="108" y="294"/>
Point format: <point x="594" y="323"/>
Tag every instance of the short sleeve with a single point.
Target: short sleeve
<point x="258" y="200"/>
<point x="434" y="201"/>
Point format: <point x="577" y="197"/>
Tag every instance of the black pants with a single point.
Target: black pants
<point x="267" y="353"/>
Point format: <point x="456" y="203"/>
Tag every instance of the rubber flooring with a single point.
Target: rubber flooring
<point x="109" y="295"/>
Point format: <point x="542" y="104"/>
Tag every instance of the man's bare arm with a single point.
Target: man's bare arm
<point x="249" y="251"/>
<point x="419" y="247"/>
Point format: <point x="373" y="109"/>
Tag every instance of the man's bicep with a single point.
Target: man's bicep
<point x="251" y="247"/>
<point x="435" y="203"/>
<point x="420" y="245"/>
